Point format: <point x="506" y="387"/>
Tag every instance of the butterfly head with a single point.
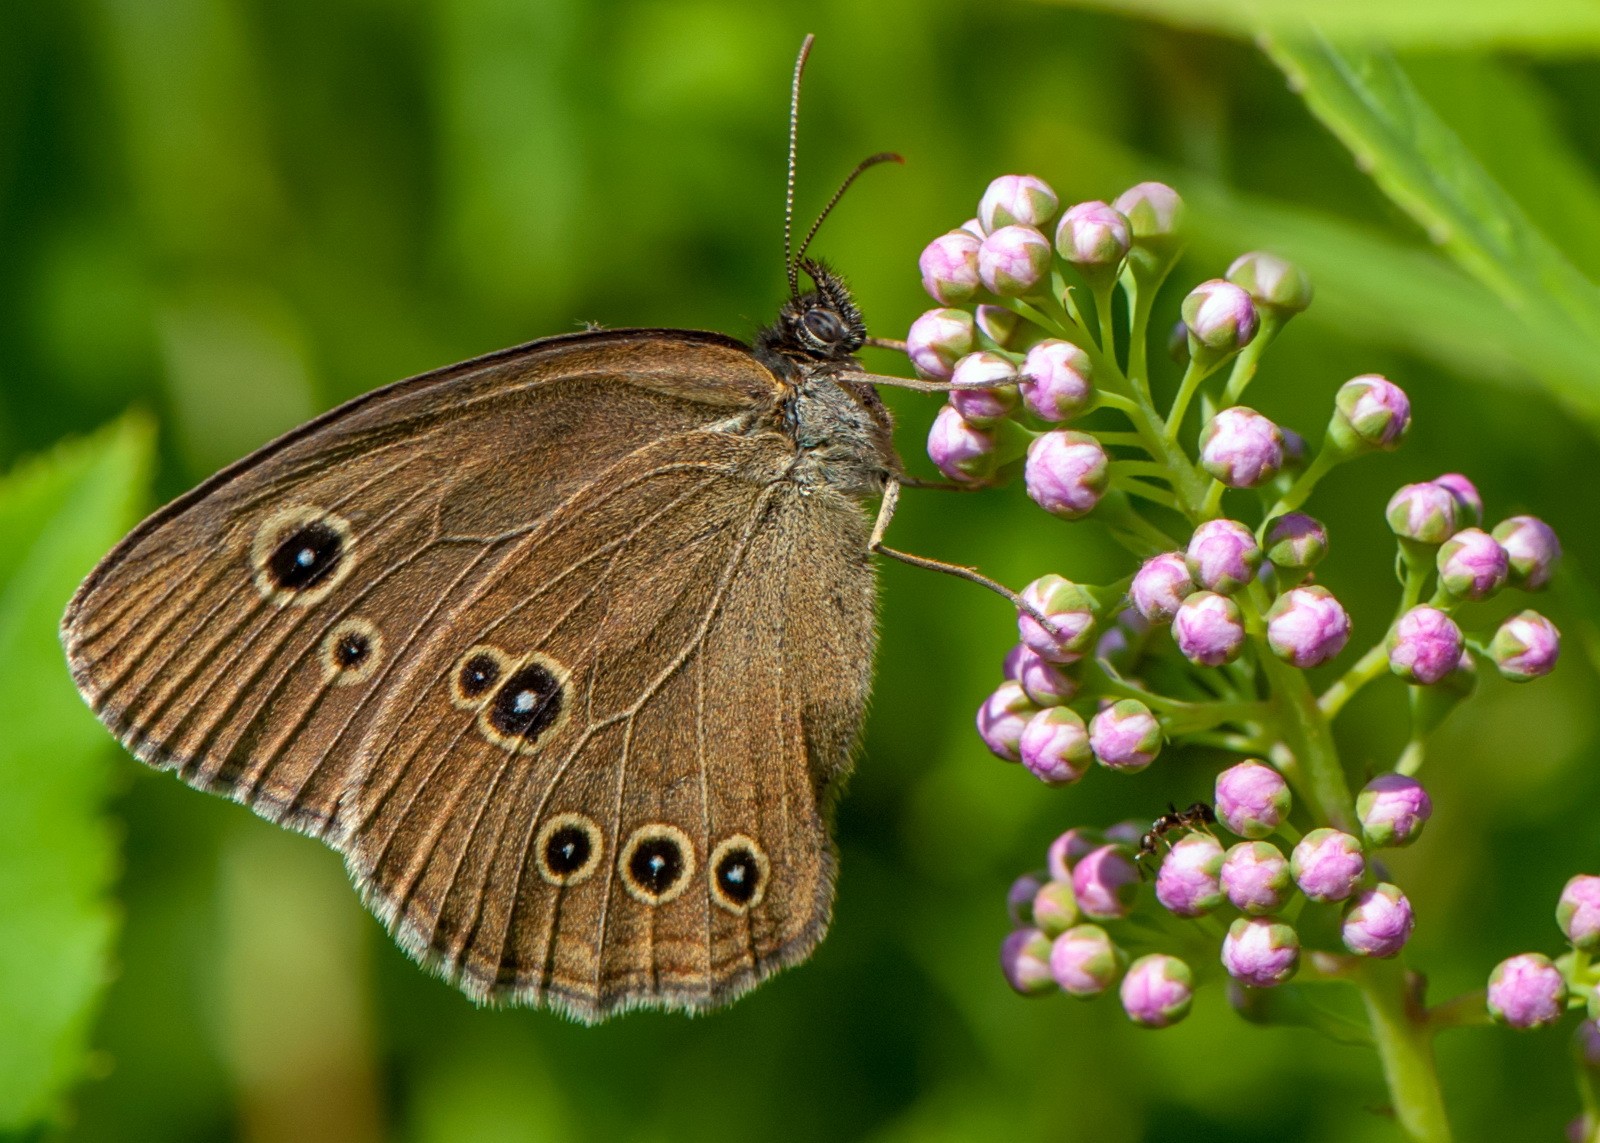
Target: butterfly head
<point x="822" y="325"/>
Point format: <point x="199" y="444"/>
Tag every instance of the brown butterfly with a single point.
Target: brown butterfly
<point x="565" y="648"/>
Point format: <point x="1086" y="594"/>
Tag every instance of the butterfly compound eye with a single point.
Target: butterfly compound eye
<point x="657" y="863"/>
<point x="823" y="326"/>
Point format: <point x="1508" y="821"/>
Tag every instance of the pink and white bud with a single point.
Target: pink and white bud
<point x="1252" y="799"/>
<point x="996" y="323"/>
<point x="1189" y="883"/>
<point x="1328" y="864"/>
<point x="937" y="340"/>
<point x="1526" y="646"/>
<point x="949" y="267"/>
<point x="1093" y="236"/>
<point x="1001" y="720"/>
<point x="1106" y="883"/>
<point x="1085" y="961"/>
<point x="1068" y="610"/>
<point x="1160" y="586"/>
<point x="961" y="450"/>
<point x="1016" y="199"/>
<point x="1370" y="412"/>
<point x="1070" y="848"/>
<point x="1295" y="541"/>
<point x="1378" y="922"/>
<point x="1019" y="899"/>
<point x="1055" y="746"/>
<point x="1424" y="645"/>
<point x="1013" y="261"/>
<point x="1220" y="316"/>
<point x="1272" y="282"/>
<point x="1042" y="681"/>
<point x="1527" y="991"/>
<point x="1425" y="513"/>
<point x="1307" y="626"/>
<point x="1054" y="908"/>
<point x="1223" y="556"/>
<point x="1533" y="549"/>
<point x="1578" y="911"/>
<point x="1469" y="504"/>
<point x="1255" y="875"/>
<point x="1056" y="383"/>
<point x="1156" y="215"/>
<point x="1393" y="808"/>
<point x="1066" y="473"/>
<point x="1025" y="960"/>
<point x="1157" y="991"/>
<point x="1241" y="448"/>
<point x="1209" y="629"/>
<point x="1472" y="565"/>
<point x="992" y="395"/>
<point x="1125" y="736"/>
<point x="1261" y="951"/>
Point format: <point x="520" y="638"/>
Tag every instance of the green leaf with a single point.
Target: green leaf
<point x="1560" y="26"/>
<point x="1366" y="100"/>
<point x="58" y="514"/>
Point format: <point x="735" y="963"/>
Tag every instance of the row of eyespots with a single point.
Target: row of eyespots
<point x="656" y="864"/>
<point x="298" y="555"/>
<point x="351" y="652"/>
<point x="519" y="701"/>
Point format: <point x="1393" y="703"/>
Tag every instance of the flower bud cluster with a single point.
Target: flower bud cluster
<point x="1530" y="990"/>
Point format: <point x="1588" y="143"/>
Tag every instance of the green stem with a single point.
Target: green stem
<point x="1141" y="297"/>
<point x="1300" y="491"/>
<point x="1147" y="492"/>
<point x="1404" y="1040"/>
<point x="1244" y="365"/>
<point x="1102" y="310"/>
<point x="1374" y="663"/>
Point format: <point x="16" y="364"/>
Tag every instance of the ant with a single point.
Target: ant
<point x="1199" y="816"/>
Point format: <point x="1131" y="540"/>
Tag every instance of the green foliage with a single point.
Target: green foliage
<point x="58" y="513"/>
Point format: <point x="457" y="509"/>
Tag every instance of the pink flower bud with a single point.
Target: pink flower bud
<point x="1002" y="718"/>
<point x="961" y="450"/>
<point x="993" y="394"/>
<point x="1025" y="960"/>
<point x="1472" y="564"/>
<point x="1056" y="382"/>
<point x="1010" y="199"/>
<point x="1055" y="908"/>
<point x="1307" y="626"/>
<point x="1393" y="808"/>
<point x="1055" y="746"/>
<point x="1070" y="848"/>
<point x="1093" y="236"/>
<point x="1533" y="549"/>
<point x="1066" y="473"/>
<point x="1578" y="911"/>
<point x="1220" y="316"/>
<point x="1295" y="541"/>
<point x="1013" y="260"/>
<point x="1085" y="961"/>
<point x="1370" y="412"/>
<point x="1424" y="645"/>
<point x="1527" y="991"/>
<point x="1209" y="629"/>
<point x="1425" y="513"/>
<point x="1378" y="922"/>
<point x="996" y="323"/>
<point x="1042" y="681"/>
<point x="1261" y="951"/>
<point x="1272" y="282"/>
<point x="1106" y="883"/>
<point x="1155" y="217"/>
<point x="1189" y="883"/>
<point x="1157" y="991"/>
<point x="1223" y="556"/>
<point x="1327" y="865"/>
<point x="1255" y="875"/>
<point x="1019" y="899"/>
<point x="1125" y="736"/>
<point x="1241" y="448"/>
<point x="949" y="267"/>
<point x="1160" y="585"/>
<point x="1525" y="647"/>
<point x="937" y="340"/>
<point x="1252" y="799"/>
<point x="1469" y="504"/>
<point x="1069" y="611"/>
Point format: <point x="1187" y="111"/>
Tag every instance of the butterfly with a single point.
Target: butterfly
<point x="564" y="648"/>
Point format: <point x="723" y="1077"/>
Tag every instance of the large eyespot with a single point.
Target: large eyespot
<point x="569" y="848"/>
<point x="300" y="554"/>
<point x="823" y="325"/>
<point x="351" y="652"/>
<point x="529" y="703"/>
<point x="738" y="871"/>
<point x="475" y="674"/>
<point x="657" y="863"/>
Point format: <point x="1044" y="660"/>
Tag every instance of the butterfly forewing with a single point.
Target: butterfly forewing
<point x="551" y="645"/>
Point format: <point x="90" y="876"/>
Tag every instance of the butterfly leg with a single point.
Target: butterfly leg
<point x="886" y="508"/>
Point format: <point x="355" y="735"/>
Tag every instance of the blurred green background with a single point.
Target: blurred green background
<point x="231" y="214"/>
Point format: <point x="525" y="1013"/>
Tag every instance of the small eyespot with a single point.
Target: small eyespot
<point x="738" y="871"/>
<point x="351" y="652"/>
<point x="475" y="675"/>
<point x="569" y="848"/>
<point x="300" y="554"/>
<point x="657" y="863"/>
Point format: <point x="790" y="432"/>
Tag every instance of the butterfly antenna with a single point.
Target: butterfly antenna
<point x="794" y="138"/>
<point x="864" y="165"/>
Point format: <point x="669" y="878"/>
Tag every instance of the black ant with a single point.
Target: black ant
<point x="1199" y="816"/>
